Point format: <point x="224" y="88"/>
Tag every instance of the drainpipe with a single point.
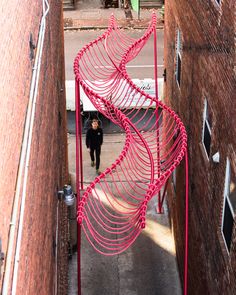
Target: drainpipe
<point x="23" y="167"/>
<point x="56" y="253"/>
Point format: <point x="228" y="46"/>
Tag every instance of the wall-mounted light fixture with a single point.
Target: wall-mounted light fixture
<point x="67" y="195"/>
<point x="216" y="157"/>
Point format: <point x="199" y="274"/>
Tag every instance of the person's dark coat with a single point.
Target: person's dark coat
<point x="94" y="138"/>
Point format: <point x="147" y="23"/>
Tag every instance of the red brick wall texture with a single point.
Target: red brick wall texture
<point x="40" y="257"/>
<point x="207" y="71"/>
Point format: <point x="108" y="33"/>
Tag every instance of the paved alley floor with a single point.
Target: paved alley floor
<point x="148" y="267"/>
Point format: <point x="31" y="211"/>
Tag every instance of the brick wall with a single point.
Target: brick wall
<point x="39" y="256"/>
<point x="208" y="56"/>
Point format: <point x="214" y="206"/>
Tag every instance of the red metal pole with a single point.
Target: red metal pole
<point x="159" y="209"/>
<point x="80" y="145"/>
<point x="78" y="152"/>
<point x="163" y="195"/>
<point x="155" y="62"/>
<point x="186" y="227"/>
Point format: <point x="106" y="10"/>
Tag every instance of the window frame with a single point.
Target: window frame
<point x="227" y="199"/>
<point x="209" y="127"/>
<point x="178" y="57"/>
<point x="218" y="7"/>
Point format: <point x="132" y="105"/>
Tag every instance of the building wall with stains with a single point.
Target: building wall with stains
<point x="201" y="88"/>
<point x="33" y="165"/>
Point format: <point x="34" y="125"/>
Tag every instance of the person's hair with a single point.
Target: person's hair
<point x="95" y="120"/>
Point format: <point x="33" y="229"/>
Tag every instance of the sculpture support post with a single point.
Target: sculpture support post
<point x="78" y="172"/>
<point x="186" y="227"/>
<point x="159" y="206"/>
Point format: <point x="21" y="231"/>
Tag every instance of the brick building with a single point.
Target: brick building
<point x="201" y="87"/>
<point x="33" y="157"/>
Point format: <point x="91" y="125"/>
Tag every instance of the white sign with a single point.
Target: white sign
<point x="146" y="85"/>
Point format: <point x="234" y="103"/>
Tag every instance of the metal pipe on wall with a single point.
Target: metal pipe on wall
<point x="34" y="99"/>
<point x="23" y="167"/>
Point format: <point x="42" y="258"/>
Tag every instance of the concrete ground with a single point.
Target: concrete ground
<point x="148" y="267"/>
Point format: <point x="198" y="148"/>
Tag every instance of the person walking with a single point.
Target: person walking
<point x="94" y="140"/>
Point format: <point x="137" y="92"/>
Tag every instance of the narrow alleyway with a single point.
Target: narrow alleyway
<point x="148" y="267"/>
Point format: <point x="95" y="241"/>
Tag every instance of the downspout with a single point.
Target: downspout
<point x="23" y="166"/>
<point x="34" y="100"/>
<point x="56" y="252"/>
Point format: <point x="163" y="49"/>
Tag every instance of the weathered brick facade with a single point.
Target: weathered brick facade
<point x="42" y="264"/>
<point x="207" y="72"/>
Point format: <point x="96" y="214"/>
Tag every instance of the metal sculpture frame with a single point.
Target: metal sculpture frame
<point x="151" y="151"/>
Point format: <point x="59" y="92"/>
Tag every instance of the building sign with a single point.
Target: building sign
<point x="131" y="99"/>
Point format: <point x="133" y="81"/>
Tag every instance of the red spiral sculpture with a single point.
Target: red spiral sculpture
<point x="112" y="210"/>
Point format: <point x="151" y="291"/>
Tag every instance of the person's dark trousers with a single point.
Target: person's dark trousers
<point x="97" y="154"/>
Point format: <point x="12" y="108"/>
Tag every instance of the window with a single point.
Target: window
<point x="174" y="179"/>
<point x="229" y="207"/>
<point x="178" y="56"/>
<point x="206" y="131"/>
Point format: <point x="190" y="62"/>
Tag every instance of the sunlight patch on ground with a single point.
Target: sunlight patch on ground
<point x="158" y="233"/>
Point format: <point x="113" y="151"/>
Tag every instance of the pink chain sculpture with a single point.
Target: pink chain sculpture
<point x="112" y="210"/>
